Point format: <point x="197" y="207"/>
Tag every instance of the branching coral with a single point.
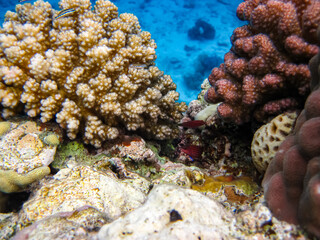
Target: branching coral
<point x="292" y="180"/>
<point x="92" y="71"/>
<point x="266" y="72"/>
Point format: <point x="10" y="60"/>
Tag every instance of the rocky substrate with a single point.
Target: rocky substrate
<point x="127" y="190"/>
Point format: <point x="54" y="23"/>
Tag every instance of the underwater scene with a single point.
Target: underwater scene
<point x="150" y="119"/>
<point x="192" y="36"/>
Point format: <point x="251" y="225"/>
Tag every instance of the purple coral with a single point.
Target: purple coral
<point x="266" y="72"/>
<point x="292" y="180"/>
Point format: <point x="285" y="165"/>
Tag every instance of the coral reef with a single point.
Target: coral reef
<point x="51" y="139"/>
<point x="230" y="191"/>
<point x="292" y="180"/>
<point x="268" y="138"/>
<point x="11" y="181"/>
<point x="222" y="148"/>
<point x="133" y="148"/>
<point x="265" y="73"/>
<point x="69" y="188"/>
<point x="194" y="220"/>
<point x="24" y="153"/>
<point x="179" y="213"/>
<point x="93" y="72"/>
<point x="77" y="224"/>
<point x="78" y="200"/>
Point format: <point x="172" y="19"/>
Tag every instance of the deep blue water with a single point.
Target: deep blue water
<point x="192" y="36"/>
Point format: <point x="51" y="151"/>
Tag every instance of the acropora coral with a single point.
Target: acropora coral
<point x="292" y="180"/>
<point x="266" y="73"/>
<point x="92" y="71"/>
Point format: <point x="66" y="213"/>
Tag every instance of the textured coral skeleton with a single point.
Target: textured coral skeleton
<point x="265" y="73"/>
<point x="93" y="72"/>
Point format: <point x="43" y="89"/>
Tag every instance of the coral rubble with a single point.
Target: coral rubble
<point x="93" y="71"/>
<point x="292" y="180"/>
<point x="266" y="72"/>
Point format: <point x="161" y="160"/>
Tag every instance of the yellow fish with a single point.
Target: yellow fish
<point x="64" y="12"/>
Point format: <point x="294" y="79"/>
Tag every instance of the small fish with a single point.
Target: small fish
<point x="138" y="66"/>
<point x="193" y="151"/>
<point x="65" y="13"/>
<point x="193" y="124"/>
<point x="20" y="1"/>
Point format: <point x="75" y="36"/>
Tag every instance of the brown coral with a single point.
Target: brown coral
<point x="292" y="180"/>
<point x="93" y="71"/>
<point x="266" y="72"/>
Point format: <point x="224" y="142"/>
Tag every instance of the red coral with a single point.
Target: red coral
<point x="265" y="72"/>
<point x="292" y="180"/>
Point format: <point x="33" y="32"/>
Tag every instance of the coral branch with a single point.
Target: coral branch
<point x="268" y="60"/>
<point x="93" y="71"/>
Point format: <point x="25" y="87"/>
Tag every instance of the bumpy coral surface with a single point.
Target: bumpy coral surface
<point x="266" y="72"/>
<point x="292" y="180"/>
<point x="92" y="71"/>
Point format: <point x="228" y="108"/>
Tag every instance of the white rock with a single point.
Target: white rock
<point x="207" y="112"/>
<point x="80" y="186"/>
<point x="201" y="218"/>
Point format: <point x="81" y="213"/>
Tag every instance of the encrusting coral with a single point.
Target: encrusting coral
<point x="292" y="180"/>
<point x="92" y="71"/>
<point x="265" y="73"/>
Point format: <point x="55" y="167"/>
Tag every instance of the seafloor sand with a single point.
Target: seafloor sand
<point x="187" y="61"/>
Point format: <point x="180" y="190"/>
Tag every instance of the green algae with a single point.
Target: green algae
<point x="155" y="149"/>
<point x="74" y="151"/>
<point x="144" y="169"/>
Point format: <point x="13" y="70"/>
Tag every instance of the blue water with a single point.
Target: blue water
<point x="175" y="25"/>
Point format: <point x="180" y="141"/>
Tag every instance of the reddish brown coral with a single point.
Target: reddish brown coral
<point x="266" y="72"/>
<point x="292" y="180"/>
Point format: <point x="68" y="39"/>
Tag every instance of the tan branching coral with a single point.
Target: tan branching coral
<point x="92" y="71"/>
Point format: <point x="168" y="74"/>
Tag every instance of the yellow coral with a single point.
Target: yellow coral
<point x="52" y="139"/>
<point x="93" y="71"/>
<point x="11" y="181"/>
<point x="4" y="128"/>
